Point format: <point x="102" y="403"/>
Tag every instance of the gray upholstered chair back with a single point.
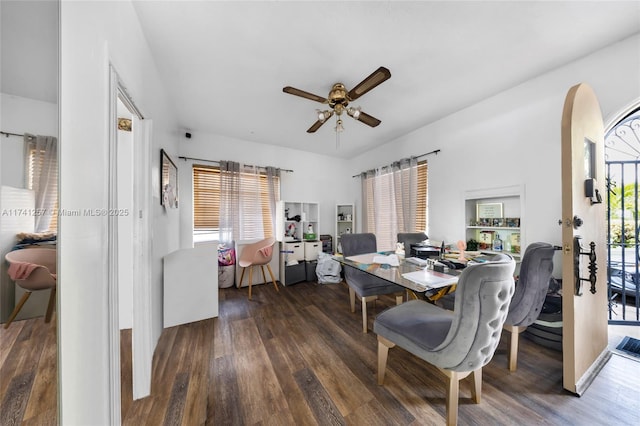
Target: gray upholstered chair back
<point x="361" y="284"/>
<point x="408" y="238"/>
<point x="481" y="304"/>
<point x="354" y="244"/>
<point x="533" y="284"/>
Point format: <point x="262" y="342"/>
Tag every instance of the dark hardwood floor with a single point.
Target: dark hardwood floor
<point x="299" y="357"/>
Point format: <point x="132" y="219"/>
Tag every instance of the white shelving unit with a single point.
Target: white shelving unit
<point x="298" y="249"/>
<point x="345" y="223"/>
<point x="496" y="211"/>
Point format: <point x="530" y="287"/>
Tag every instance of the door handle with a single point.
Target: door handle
<point x="576" y="222"/>
<point x="593" y="267"/>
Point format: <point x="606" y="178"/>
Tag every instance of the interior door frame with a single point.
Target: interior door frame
<point x="142" y="347"/>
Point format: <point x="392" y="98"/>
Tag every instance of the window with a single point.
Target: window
<point x="42" y="178"/>
<point x="255" y="220"/>
<point x="396" y="201"/>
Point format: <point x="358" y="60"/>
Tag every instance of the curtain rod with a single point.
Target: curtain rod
<point x="7" y="134"/>
<point x="435" y="151"/>
<point x="218" y="162"/>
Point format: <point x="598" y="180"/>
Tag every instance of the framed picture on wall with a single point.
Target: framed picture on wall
<point x="169" y="181"/>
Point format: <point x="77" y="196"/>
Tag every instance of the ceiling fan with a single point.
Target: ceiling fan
<point x="338" y="100"/>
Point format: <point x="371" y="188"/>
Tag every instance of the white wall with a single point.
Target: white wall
<point x="19" y="115"/>
<point x="512" y="138"/>
<point x="92" y="34"/>
<point x="315" y="178"/>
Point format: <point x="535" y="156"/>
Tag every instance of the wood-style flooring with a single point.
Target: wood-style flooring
<point x="299" y="357"/>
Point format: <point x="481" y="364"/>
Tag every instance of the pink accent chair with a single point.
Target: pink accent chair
<point x="33" y="269"/>
<point x="257" y="254"/>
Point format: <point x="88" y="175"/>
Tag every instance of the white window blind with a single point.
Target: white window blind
<point x="42" y="178"/>
<point x="255" y="218"/>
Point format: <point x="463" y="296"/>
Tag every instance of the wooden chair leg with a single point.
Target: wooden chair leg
<point x="50" y="306"/>
<point x="476" y="385"/>
<point x="383" y="352"/>
<point x="453" y="393"/>
<point x="241" y="277"/>
<point x="364" y="301"/>
<point x="352" y="299"/>
<point x="264" y="277"/>
<point x="513" y="350"/>
<point x="250" y="280"/>
<point x="19" y="306"/>
<point x="273" y="279"/>
<point x="399" y="299"/>
<point x="513" y="347"/>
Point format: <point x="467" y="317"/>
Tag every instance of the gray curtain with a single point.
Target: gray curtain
<point x="43" y="154"/>
<point x="241" y="193"/>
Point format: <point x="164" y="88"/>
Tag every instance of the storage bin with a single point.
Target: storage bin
<point x="295" y="273"/>
<point x="310" y="269"/>
<point x="294" y="251"/>
<point x="226" y="276"/>
<point x="311" y="250"/>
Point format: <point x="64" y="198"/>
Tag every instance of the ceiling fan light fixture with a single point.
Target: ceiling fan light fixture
<point x="353" y="112"/>
<point x="323" y="115"/>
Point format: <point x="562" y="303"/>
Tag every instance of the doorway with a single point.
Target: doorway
<point x="129" y="245"/>
<point x="622" y="163"/>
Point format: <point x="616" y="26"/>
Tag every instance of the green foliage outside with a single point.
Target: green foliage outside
<point x="630" y="212"/>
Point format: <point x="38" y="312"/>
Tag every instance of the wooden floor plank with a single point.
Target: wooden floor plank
<point x="321" y="403"/>
<point x="260" y="392"/>
<point x="16" y="399"/>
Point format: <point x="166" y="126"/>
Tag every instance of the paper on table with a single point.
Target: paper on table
<point x="431" y="279"/>
<point x="362" y="258"/>
<point x="369" y="258"/>
<point x="391" y="260"/>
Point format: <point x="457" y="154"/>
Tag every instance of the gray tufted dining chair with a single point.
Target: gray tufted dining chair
<point x="408" y="238"/>
<point x="362" y="284"/>
<point x="458" y="342"/>
<point x="530" y="293"/>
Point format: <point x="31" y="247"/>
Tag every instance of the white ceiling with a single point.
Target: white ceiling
<point x="225" y="63"/>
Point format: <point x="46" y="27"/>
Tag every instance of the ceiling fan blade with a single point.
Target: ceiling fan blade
<point x="378" y="76"/>
<point x="316" y="126"/>
<point x="368" y="119"/>
<point x="293" y="91"/>
<point x="319" y="123"/>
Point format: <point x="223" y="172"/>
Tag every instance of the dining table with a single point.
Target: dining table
<point x="419" y="280"/>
